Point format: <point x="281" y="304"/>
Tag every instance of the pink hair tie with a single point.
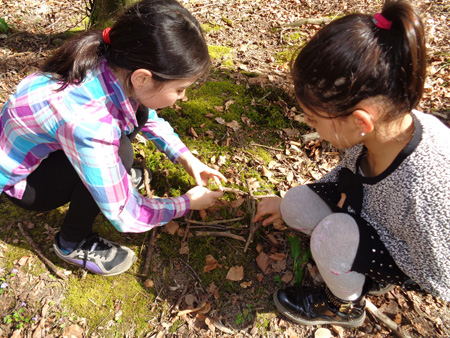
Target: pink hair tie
<point x="106" y="38"/>
<point x="380" y="21"/>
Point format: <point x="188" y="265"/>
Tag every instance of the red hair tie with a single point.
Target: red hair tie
<point x="380" y="21"/>
<point x="106" y="38"/>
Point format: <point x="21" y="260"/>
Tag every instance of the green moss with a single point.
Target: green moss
<point x="100" y="298"/>
<point x="222" y="54"/>
<point x="208" y="28"/>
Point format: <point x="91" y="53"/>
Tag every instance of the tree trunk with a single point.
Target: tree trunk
<point x="104" y="12"/>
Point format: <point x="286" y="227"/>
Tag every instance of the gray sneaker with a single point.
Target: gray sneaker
<point x="137" y="177"/>
<point x="98" y="255"/>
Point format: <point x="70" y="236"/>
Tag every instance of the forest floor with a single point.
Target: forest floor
<point x="204" y="276"/>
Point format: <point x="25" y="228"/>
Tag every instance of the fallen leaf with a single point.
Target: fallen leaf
<point x="220" y="120"/>
<point x="214" y="290"/>
<point x="323" y="333"/>
<point x="279" y="266"/>
<point x="190" y="300"/>
<point x="149" y="283"/>
<point x="229" y="103"/>
<point x="278" y="256"/>
<point x="245" y="285"/>
<point x="263" y="261"/>
<point x="236" y="273"/>
<point x="211" y="263"/>
<point x="73" y="331"/>
<point x="219" y="109"/>
<point x="287" y="277"/>
<point x="272" y="239"/>
<point x="279" y="225"/>
<point x="184" y="250"/>
<point x="171" y="227"/>
<point x="192" y="132"/>
<point x="234" y="125"/>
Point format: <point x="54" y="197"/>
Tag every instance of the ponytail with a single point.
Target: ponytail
<point x="356" y="58"/>
<point x="70" y="63"/>
<point x="410" y="48"/>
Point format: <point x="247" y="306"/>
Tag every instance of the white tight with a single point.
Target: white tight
<point x="334" y="239"/>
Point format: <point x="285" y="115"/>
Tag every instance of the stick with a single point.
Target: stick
<point x="220" y="234"/>
<point x="151" y="246"/>
<point x="38" y="251"/>
<point x="319" y="21"/>
<point x="253" y="226"/>
<point x="385" y="320"/>
<point x="263" y="146"/>
<point x="234" y="190"/>
<point x="215" y="222"/>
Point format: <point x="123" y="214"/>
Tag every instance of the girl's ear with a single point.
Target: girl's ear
<point x="140" y="78"/>
<point x="364" y="120"/>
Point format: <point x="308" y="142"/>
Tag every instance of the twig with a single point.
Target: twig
<point x="38" y="251"/>
<point x="215" y="222"/>
<point x="151" y="246"/>
<point x="253" y="226"/>
<point x="385" y="320"/>
<point x="193" y="272"/>
<point x="220" y="234"/>
<point x="177" y="304"/>
<point x="188" y="224"/>
<point x="319" y="21"/>
<point x="263" y="146"/>
<point x="234" y="190"/>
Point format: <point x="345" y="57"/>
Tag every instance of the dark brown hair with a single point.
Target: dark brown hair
<point x="157" y="35"/>
<point x="352" y="59"/>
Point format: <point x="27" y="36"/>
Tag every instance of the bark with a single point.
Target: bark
<point x="104" y="12"/>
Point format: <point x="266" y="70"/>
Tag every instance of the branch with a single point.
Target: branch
<point x="319" y="21"/>
<point x="220" y="234"/>
<point x="385" y="320"/>
<point x="38" y="251"/>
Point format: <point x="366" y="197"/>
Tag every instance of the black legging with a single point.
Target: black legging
<point x="55" y="183"/>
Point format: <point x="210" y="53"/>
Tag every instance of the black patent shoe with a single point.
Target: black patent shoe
<point x="316" y="305"/>
<point x="378" y="288"/>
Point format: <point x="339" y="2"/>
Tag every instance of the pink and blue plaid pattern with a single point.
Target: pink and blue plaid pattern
<point x="86" y="121"/>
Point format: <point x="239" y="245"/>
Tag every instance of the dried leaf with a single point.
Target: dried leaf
<point x="171" y="227"/>
<point x="245" y="285"/>
<point x="234" y="125"/>
<point x="214" y="290"/>
<point x="73" y="331"/>
<point x="184" y="250"/>
<point x="211" y="263"/>
<point x="263" y="261"/>
<point x="287" y="277"/>
<point x="323" y="333"/>
<point x="278" y="256"/>
<point x="149" y="283"/>
<point x="220" y="120"/>
<point x="192" y="132"/>
<point x="236" y="273"/>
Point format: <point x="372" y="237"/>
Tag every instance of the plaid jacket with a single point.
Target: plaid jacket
<point x="86" y="121"/>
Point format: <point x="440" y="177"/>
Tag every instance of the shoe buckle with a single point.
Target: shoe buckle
<point x="346" y="308"/>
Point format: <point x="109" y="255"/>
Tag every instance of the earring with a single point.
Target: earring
<point x="361" y="134"/>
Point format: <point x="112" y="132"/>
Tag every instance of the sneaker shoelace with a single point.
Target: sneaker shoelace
<point x="95" y="246"/>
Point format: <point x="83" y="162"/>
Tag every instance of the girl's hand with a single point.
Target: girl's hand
<point x="199" y="171"/>
<point x="202" y="198"/>
<point x="268" y="206"/>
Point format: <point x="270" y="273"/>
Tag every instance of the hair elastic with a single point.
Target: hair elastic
<point x="381" y="22"/>
<point x="106" y="38"/>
